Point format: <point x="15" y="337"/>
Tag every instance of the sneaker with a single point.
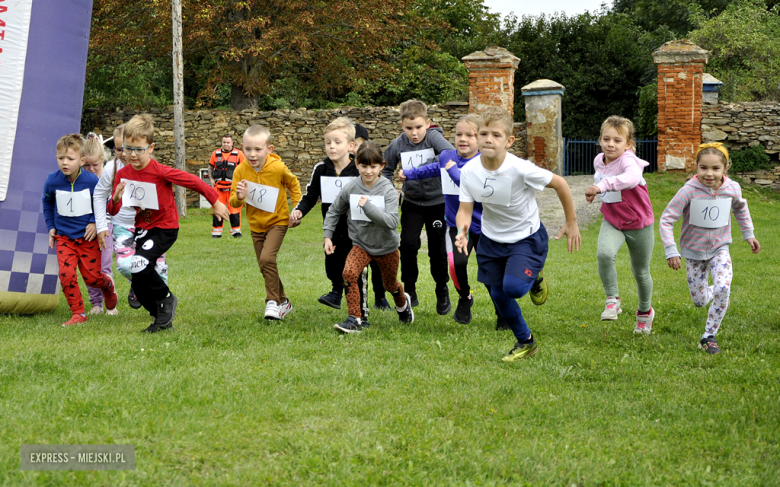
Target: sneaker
<point x="644" y="323"/>
<point x="463" y="311"/>
<point x="96" y="310"/>
<point x="132" y="300"/>
<point x="75" y="320"/>
<point x="521" y="350"/>
<point x="350" y="325"/>
<point x="237" y="235"/>
<point x="112" y="312"/>
<point x="612" y="309"/>
<point x="216" y="236"/>
<point x="271" y="310"/>
<point x="413" y="294"/>
<point x="112" y="299"/>
<point x="710" y="345"/>
<point x="381" y="304"/>
<point x="443" y="304"/>
<point x="285" y="308"/>
<point x="166" y="311"/>
<point x="407" y="314"/>
<point x="540" y="290"/>
<point x="332" y="299"/>
<point x="501" y="324"/>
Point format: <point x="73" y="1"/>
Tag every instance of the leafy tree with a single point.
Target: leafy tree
<point x="674" y="15"/>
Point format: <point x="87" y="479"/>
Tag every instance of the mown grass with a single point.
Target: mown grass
<point x="230" y="399"/>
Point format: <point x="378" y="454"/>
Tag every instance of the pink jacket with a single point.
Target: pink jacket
<point x="699" y="243"/>
<point x="624" y="174"/>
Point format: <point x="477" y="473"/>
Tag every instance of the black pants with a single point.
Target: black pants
<point x="413" y="218"/>
<point x="235" y="221"/>
<point x="150" y="245"/>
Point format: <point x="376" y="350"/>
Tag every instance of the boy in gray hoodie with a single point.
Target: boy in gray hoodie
<point x="423" y="201"/>
<point x="372" y="204"/>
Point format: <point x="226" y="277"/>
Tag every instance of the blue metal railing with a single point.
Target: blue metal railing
<point x="578" y="155"/>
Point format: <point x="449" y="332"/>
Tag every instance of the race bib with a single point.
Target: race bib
<point x="607" y="196"/>
<point x="141" y="195"/>
<point x="330" y="187"/>
<point x="262" y="197"/>
<point x="414" y="159"/>
<point x="74" y="204"/>
<point x="448" y="186"/>
<point x="708" y="213"/>
<point x="483" y="188"/>
<point x="357" y="213"/>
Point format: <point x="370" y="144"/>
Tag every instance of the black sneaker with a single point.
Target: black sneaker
<point x="381" y="304"/>
<point x="216" y="236"/>
<point x="501" y="324"/>
<point x="132" y="300"/>
<point x="332" y="299"/>
<point x="407" y="315"/>
<point x="443" y="304"/>
<point x="463" y="311"/>
<point x="166" y="311"/>
<point x="350" y="325"/>
<point x="237" y="235"/>
<point x="413" y="294"/>
<point x="710" y="345"/>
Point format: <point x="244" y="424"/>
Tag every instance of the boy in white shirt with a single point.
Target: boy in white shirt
<point x="513" y="247"/>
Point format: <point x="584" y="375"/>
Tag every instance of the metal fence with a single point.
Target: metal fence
<point x="578" y="155"/>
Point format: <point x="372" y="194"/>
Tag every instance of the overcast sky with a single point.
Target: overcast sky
<point x="570" y="7"/>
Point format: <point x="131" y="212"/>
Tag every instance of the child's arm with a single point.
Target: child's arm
<point x="454" y="171"/>
<point x="438" y="142"/>
<point x="629" y="178"/>
<point x="427" y="171"/>
<point x="313" y="193"/>
<point x="392" y="158"/>
<point x="570" y="228"/>
<point x="385" y="219"/>
<point x="190" y="181"/>
<point x="99" y="199"/>
<point x="338" y="208"/>
<point x="670" y="215"/>
<point x="463" y="223"/>
<point x="49" y="203"/>
<point x="741" y="212"/>
<point x="115" y="203"/>
<point x="294" y="188"/>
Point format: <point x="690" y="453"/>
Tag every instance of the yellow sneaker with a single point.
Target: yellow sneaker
<point x="521" y="351"/>
<point x="540" y="290"/>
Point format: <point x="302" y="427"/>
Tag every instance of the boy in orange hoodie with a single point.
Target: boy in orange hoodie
<point x="262" y="181"/>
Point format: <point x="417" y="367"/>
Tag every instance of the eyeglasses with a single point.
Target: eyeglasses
<point x="119" y="149"/>
<point x="135" y="150"/>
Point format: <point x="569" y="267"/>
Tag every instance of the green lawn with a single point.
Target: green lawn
<point x="230" y="399"/>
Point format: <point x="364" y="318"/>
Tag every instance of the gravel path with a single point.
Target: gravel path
<point x="551" y="211"/>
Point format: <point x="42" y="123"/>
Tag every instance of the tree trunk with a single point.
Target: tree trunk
<point x="178" y="106"/>
<point x="239" y="101"/>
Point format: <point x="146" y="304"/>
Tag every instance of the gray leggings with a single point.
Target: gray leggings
<point x="640" y="248"/>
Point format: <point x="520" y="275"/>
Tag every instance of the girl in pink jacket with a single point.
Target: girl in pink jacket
<point x="705" y="204"/>
<point x="628" y="218"/>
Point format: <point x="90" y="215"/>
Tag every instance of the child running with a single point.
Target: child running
<point x="705" y="236"/>
<point x="372" y="203"/>
<point x="628" y="218"/>
<point x="452" y="161"/>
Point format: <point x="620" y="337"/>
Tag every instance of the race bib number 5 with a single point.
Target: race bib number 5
<point x="140" y="194"/>
<point x="483" y="188"/>
<point x="74" y="204"/>
<point x="710" y="213"/>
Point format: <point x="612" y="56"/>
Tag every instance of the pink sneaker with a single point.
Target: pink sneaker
<point x="644" y="322"/>
<point x="612" y="309"/>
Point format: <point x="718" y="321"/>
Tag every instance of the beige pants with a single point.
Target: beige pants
<point x="267" y="245"/>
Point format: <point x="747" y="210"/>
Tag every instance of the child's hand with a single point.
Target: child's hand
<point x="591" y="192"/>
<point x="52" y="233"/>
<point x="572" y="232"/>
<point x="295" y="219"/>
<point x="754" y="245"/>
<point x="401" y="175"/>
<point x="362" y="201"/>
<point x="90" y="232"/>
<point x="219" y="209"/>
<point x="674" y="263"/>
<point x="120" y="190"/>
<point x="462" y="240"/>
<point x="449" y="165"/>
<point x="102" y="239"/>
<point x="241" y="189"/>
<point x="329" y="247"/>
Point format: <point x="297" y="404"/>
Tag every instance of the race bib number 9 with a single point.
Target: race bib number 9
<point x="262" y="197"/>
<point x="357" y="213"/>
<point x="707" y="213"/>
<point x="483" y="188"/>
<point x="414" y="159"/>
<point x="74" y="204"/>
<point x="140" y="194"/>
<point x="331" y="187"/>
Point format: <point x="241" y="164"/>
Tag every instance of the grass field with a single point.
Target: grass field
<point x="230" y="399"/>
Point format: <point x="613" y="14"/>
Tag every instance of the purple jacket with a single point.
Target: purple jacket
<point x="451" y="202"/>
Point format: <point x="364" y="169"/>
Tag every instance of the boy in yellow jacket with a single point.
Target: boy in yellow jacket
<point x="262" y="181"/>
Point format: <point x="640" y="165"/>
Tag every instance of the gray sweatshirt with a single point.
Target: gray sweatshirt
<point x="423" y="192"/>
<point x="378" y="236"/>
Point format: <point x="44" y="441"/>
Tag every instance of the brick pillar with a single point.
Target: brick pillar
<point x="491" y="79"/>
<point x="680" y="64"/>
<point x="543" y="124"/>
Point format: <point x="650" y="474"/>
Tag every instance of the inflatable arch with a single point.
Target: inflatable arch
<point x="43" y="59"/>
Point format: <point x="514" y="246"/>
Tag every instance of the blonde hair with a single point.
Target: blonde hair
<point x="119" y="132"/>
<point x="258" y="131"/>
<point x="496" y="115"/>
<point x="412" y="109"/>
<point x="140" y="127"/>
<point x="94" y="147"/>
<point x="345" y="125"/>
<point x="623" y="126"/>
<point x="714" y="148"/>
<point x="472" y="120"/>
<point x="71" y="141"/>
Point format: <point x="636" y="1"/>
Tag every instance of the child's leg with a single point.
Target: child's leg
<point x="106" y="258"/>
<point x="721" y="271"/>
<point x="90" y="266"/>
<point x="334" y="263"/>
<point x="640" y="249"/>
<point x="161" y="267"/>
<point x="357" y="260"/>
<point x="124" y="245"/>
<point x="437" y="255"/>
<point x="149" y="287"/>
<point x="412" y="222"/>
<point x="267" y="246"/>
<point x="610" y="241"/>
<point x="376" y="280"/>
<point x="67" y="258"/>
<point x="458" y="262"/>
<point x="388" y="267"/>
<point x="698" y="279"/>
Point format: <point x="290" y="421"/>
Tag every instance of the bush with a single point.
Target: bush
<point x="750" y="159"/>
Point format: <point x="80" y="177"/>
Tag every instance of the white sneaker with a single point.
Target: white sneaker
<point x="112" y="312"/>
<point x="96" y="310"/>
<point x="644" y="323"/>
<point x="612" y="309"/>
<point x="271" y="310"/>
<point x="285" y="308"/>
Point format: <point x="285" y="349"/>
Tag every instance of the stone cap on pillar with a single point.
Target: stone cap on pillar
<point x="543" y="87"/>
<point x="680" y="51"/>
<point x="494" y="55"/>
<point x="710" y="82"/>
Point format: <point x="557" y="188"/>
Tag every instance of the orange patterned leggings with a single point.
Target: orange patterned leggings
<point x="357" y="260"/>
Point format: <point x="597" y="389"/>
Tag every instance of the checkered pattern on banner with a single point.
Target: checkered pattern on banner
<point x="27" y="265"/>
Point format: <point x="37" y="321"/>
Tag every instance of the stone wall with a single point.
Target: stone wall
<point x="297" y="134"/>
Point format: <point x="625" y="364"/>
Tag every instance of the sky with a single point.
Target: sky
<point x="570" y="7"/>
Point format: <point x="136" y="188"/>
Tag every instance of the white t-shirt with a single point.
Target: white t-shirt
<point x="126" y="215"/>
<point x="512" y="222"/>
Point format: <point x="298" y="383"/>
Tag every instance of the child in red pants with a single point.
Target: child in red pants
<point x="67" y="206"/>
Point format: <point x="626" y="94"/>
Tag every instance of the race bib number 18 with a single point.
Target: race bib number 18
<point x="262" y="197"/>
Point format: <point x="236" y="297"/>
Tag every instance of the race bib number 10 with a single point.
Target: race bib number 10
<point x="710" y="213"/>
<point x="262" y="197"/>
<point x="356" y="211"/>
<point x="74" y="204"/>
<point x="140" y="194"/>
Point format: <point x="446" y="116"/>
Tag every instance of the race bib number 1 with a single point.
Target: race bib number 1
<point x="414" y="159"/>
<point x="262" y="197"/>
<point x="331" y="187"/>
<point x="140" y="194"/>
<point x="74" y="204"/>
<point x="356" y="211"/>
<point x="707" y="213"/>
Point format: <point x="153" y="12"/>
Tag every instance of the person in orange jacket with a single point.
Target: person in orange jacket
<point x="223" y="162"/>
